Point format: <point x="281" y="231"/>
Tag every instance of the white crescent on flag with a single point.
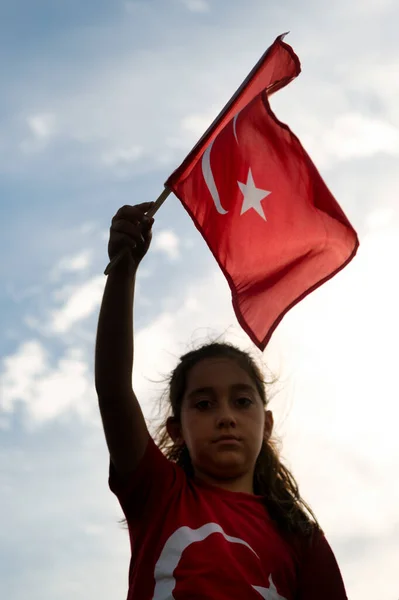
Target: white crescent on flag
<point x="210" y="180"/>
<point x="235" y="125"/>
<point x="252" y="195"/>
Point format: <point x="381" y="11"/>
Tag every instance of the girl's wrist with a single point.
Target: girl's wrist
<point x="125" y="267"/>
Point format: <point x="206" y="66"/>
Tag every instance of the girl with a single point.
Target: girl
<point x="216" y="515"/>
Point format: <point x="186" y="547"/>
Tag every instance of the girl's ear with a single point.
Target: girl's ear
<point x="174" y="430"/>
<point x="269" y="423"/>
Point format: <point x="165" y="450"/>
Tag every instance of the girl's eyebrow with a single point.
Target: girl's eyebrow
<point x="201" y="390"/>
<point x="236" y="387"/>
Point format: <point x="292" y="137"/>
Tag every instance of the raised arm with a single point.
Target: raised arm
<point x="125" y="429"/>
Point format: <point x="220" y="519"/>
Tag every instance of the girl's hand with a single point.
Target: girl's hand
<point x="131" y="229"/>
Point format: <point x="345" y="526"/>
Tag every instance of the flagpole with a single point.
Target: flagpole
<point x="157" y="204"/>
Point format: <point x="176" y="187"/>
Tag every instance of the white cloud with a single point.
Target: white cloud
<point x="380" y="218"/>
<point x="67" y="386"/>
<point x="122" y="156"/>
<point x="191" y="128"/>
<point x="81" y="303"/>
<point x="370" y="8"/>
<point x="42" y="128"/>
<point x="379" y="556"/>
<point x="78" y="262"/>
<point x="353" y="135"/>
<point x="46" y="392"/>
<point x="20" y="369"/>
<point x="87" y="228"/>
<point x="42" y="125"/>
<point x="197" y="124"/>
<point x="121" y="161"/>
<point x="132" y="7"/>
<point x="198" y="6"/>
<point x="167" y="241"/>
<point x="18" y="295"/>
<point x="105" y="113"/>
<point x="72" y="264"/>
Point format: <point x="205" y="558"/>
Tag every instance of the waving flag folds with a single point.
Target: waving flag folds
<point x="261" y="205"/>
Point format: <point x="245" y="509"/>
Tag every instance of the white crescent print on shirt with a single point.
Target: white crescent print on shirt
<point x="172" y="552"/>
<point x="252" y="194"/>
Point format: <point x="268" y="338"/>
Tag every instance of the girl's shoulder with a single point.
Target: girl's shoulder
<point x="305" y="544"/>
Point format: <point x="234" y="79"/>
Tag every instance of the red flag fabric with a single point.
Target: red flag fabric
<point x="261" y="205"/>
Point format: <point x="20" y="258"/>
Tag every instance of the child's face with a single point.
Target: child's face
<point x="221" y="399"/>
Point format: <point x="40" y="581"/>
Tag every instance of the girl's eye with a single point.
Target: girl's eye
<point x="244" y="401"/>
<point x="198" y="405"/>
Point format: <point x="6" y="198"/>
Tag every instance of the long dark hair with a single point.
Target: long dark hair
<point x="272" y="479"/>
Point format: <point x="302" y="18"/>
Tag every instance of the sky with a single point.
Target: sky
<point x="100" y="102"/>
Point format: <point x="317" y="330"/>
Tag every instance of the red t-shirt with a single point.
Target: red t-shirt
<point x="194" y="541"/>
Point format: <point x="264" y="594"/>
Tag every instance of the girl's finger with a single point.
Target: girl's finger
<point x="147" y="235"/>
<point x="133" y="213"/>
<point x="127" y="228"/>
<point x="122" y="239"/>
<point x="124" y="226"/>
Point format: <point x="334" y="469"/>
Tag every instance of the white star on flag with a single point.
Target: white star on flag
<point x="270" y="593"/>
<point x="252" y="196"/>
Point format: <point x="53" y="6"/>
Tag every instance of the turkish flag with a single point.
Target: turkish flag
<point x="261" y="205"/>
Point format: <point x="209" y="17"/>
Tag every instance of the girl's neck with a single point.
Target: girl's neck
<point x="242" y="484"/>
